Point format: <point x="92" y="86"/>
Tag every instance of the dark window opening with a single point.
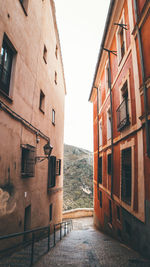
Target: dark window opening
<point x="122" y="43"/>
<point x="100" y="198"/>
<point x="28" y="161"/>
<point x="109" y="164"/>
<point x="100" y="170"/>
<point x="110" y="212"/>
<point x="45" y="54"/>
<point x="42" y="101"/>
<point x="126" y="175"/>
<point x="123" y="109"/>
<point x="58" y="166"/>
<point x="52" y="172"/>
<point x="118" y="213"/>
<point x="53" y="116"/>
<point x="50" y="212"/>
<point x="56" y="51"/>
<point x="55" y="77"/>
<point x="6" y="58"/>
<point x="27" y="222"/>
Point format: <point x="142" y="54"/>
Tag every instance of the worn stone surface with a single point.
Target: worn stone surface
<point x="86" y="246"/>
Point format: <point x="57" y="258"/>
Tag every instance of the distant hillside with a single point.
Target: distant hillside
<point x="78" y="178"/>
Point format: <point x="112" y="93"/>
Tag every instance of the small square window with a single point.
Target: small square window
<point x="50" y="212"/>
<point x="28" y="161"/>
<point x="6" y="60"/>
<point x="42" y="101"/>
<point x="55" y="77"/>
<point x="45" y="54"/>
<point x="53" y="116"/>
<point x="58" y="166"/>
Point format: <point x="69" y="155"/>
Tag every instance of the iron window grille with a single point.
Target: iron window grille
<point x="126" y="175"/>
<point x="28" y="161"/>
<point x="123" y="115"/>
<point x="58" y="166"/>
<point x="51" y="171"/>
<point x="6" y="58"/>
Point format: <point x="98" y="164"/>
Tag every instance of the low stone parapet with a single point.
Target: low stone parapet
<point x="78" y="213"/>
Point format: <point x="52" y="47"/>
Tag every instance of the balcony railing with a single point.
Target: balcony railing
<point x="122" y="115"/>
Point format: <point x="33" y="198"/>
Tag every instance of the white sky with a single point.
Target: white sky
<point x="80" y="25"/>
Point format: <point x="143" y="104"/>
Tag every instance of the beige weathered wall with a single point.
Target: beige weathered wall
<point x="29" y="34"/>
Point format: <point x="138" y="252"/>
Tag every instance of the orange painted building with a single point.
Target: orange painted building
<point x="121" y="123"/>
<point x="32" y="96"/>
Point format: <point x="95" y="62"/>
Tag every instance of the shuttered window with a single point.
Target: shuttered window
<point x="28" y="161"/>
<point x="126" y="175"/>
<point x="52" y="172"/>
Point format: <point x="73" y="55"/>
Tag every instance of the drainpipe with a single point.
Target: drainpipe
<point x="143" y="80"/>
<point x="111" y="110"/>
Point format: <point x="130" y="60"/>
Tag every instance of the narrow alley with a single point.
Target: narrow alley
<point x="87" y="247"/>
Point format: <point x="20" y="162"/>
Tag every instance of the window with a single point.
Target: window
<point x="50" y="212"/>
<point x="45" y="54"/>
<point x="6" y="59"/>
<point x="107" y="75"/>
<point x="108" y="124"/>
<point x="100" y="133"/>
<point x="42" y="101"/>
<point x="100" y="198"/>
<point x="55" y="77"/>
<point x="24" y="4"/>
<point x="121" y="44"/>
<point x="123" y="109"/>
<point x="53" y="116"/>
<point x="52" y="172"/>
<point x="58" y="166"/>
<point x="100" y="170"/>
<point x="56" y="51"/>
<point x="126" y="174"/>
<point x="109" y="164"/>
<point x="28" y="161"/>
<point x="100" y="96"/>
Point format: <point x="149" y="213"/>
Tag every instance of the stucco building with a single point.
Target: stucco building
<point x="32" y="92"/>
<point x="121" y="122"/>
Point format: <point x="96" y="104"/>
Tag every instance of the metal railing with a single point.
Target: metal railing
<point x="64" y="227"/>
<point x="122" y="115"/>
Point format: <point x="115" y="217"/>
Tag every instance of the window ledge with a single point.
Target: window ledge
<point x="42" y="110"/>
<point x="25" y="12"/>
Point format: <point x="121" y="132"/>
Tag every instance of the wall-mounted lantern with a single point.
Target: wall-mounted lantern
<point x="47" y="151"/>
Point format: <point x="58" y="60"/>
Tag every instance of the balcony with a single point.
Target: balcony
<point x="122" y="115"/>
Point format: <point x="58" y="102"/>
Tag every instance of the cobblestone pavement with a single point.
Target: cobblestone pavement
<point x="83" y="247"/>
<point x="87" y="247"/>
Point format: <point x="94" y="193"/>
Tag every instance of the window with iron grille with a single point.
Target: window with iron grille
<point x="121" y="47"/>
<point x="100" y="170"/>
<point x="126" y="175"/>
<point x="123" y="109"/>
<point x="109" y="164"/>
<point x="27" y="161"/>
<point x="6" y="59"/>
<point x="50" y="212"/>
<point x="52" y="172"/>
<point x="58" y="166"/>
